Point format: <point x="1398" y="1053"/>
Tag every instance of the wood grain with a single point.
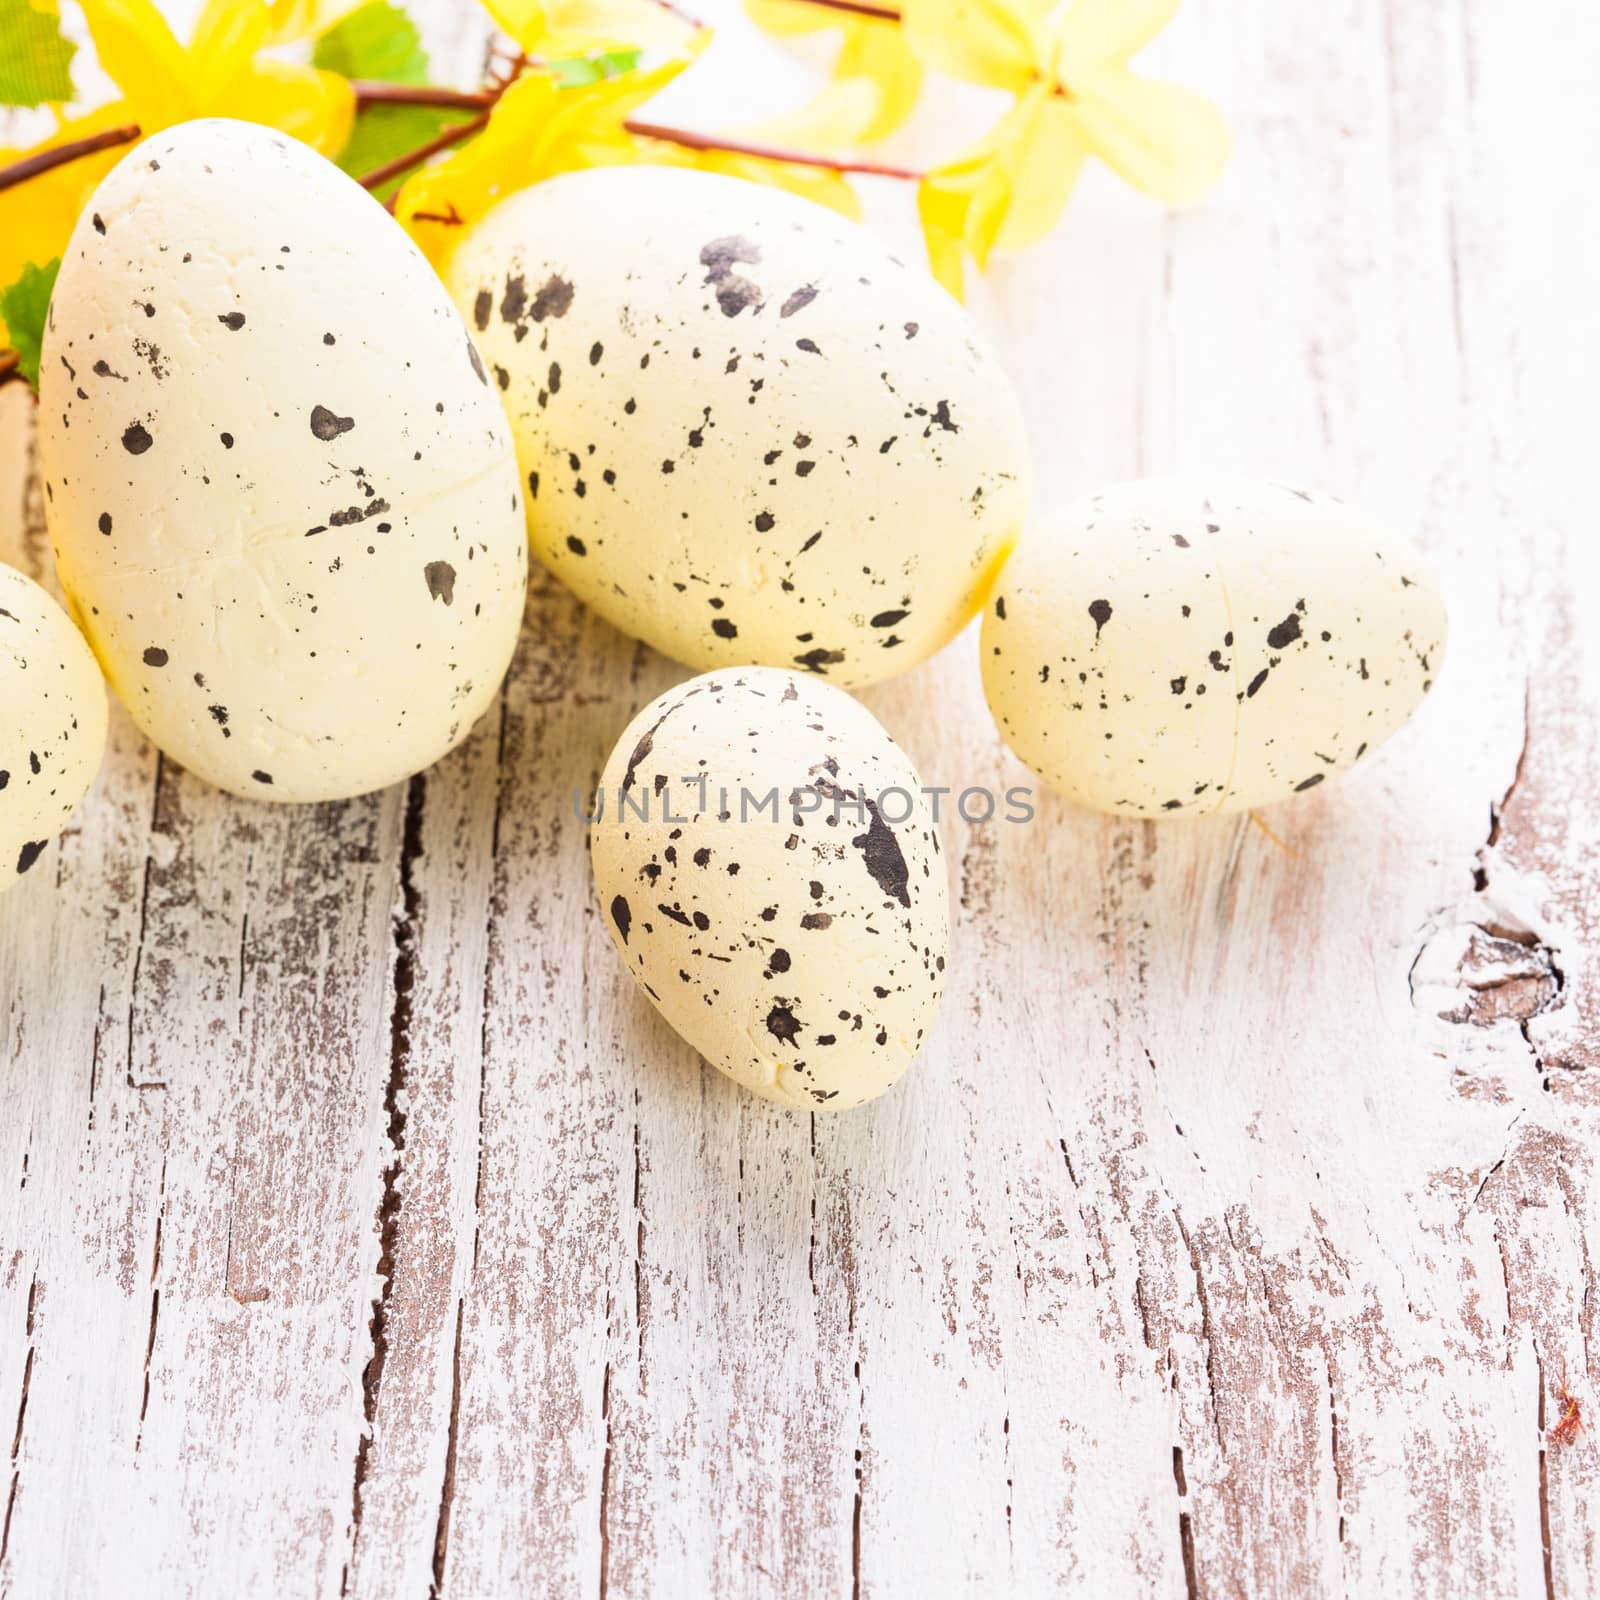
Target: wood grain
<point x="362" y="1232"/>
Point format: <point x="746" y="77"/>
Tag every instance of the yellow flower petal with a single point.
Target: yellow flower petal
<point x="993" y="42"/>
<point x="827" y="124"/>
<point x="37" y="217"/>
<point x="317" y="108"/>
<point x="137" y="49"/>
<point x="880" y="53"/>
<point x="817" y="184"/>
<point x="224" y="40"/>
<point x="1172" y="143"/>
<point x="552" y="28"/>
<point x="943" y="199"/>
<point x="790" y="16"/>
<point x="289" y="20"/>
<point x="1042" y="156"/>
<point x="1104" y="33"/>
<point x="535" y="131"/>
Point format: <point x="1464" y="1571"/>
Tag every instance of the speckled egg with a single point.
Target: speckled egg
<point x="1192" y="646"/>
<point x="281" y="489"/>
<point x="52" y="722"/>
<point x="770" y="874"/>
<point x="748" y="433"/>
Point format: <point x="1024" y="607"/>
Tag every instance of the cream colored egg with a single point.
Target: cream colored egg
<point x="52" y="722"/>
<point x="747" y="431"/>
<point x="282" y="493"/>
<point x="772" y="879"/>
<point x="1191" y="646"/>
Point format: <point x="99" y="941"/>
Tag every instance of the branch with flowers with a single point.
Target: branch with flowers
<point x="569" y="89"/>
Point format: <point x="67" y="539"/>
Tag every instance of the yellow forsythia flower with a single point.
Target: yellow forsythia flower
<point x="164" y="82"/>
<point x="535" y="131"/>
<point x="554" y="28"/>
<point x="875" y="51"/>
<point x="827" y="124"/>
<point x="1074" y="97"/>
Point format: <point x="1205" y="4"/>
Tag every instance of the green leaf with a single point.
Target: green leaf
<point x="24" y="305"/>
<point x="578" y="72"/>
<point x="377" y="41"/>
<point x="380" y="42"/>
<point x="34" y="58"/>
<point x="384" y="132"/>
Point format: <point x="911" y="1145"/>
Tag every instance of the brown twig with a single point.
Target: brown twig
<point x="860" y="8"/>
<point x="689" y="140"/>
<point x="682" y="15"/>
<point x="10" y="365"/>
<point x="448" y="218"/>
<point x="59" y="155"/>
<point x="420" y="94"/>
<point x="392" y="169"/>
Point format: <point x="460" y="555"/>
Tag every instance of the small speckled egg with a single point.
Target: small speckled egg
<point x="748" y="433"/>
<point x="52" y="722"/>
<point x="770" y="875"/>
<point x="282" y="492"/>
<point x="1193" y="646"/>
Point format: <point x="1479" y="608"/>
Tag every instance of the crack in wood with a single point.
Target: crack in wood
<point x="496" y="910"/>
<point x="638" y="1249"/>
<point x="447" y="1488"/>
<point x="1206" y="1332"/>
<point x="22" y="1416"/>
<point x="1191" y="1572"/>
<point x="860" y="1472"/>
<point x="155" y="1304"/>
<point x="1544" y="1486"/>
<point x="389" y="1200"/>
<point x="144" y="924"/>
<point x="1333" y="1449"/>
<point x="605" y="1483"/>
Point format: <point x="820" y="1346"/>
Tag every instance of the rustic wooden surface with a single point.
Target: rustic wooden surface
<point x="363" y="1232"/>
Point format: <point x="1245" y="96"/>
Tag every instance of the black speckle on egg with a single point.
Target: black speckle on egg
<point x="155" y="656"/>
<point x="734" y="293"/>
<point x="1286" y="632"/>
<point x="799" y="300"/>
<point x="783" y="1025"/>
<point x="441" y="579"/>
<point x="31" y="852"/>
<point x="105" y="523"/>
<point x="327" y="426"/>
<point x="232" y="320"/>
<point x="136" y="439"/>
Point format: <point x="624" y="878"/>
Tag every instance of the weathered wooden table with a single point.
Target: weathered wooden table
<point x="362" y="1231"/>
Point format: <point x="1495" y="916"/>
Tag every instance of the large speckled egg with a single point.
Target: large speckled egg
<point x="1192" y="646"/>
<point x="52" y="722"/>
<point x="748" y="433"/>
<point x="771" y="877"/>
<point x="282" y="493"/>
